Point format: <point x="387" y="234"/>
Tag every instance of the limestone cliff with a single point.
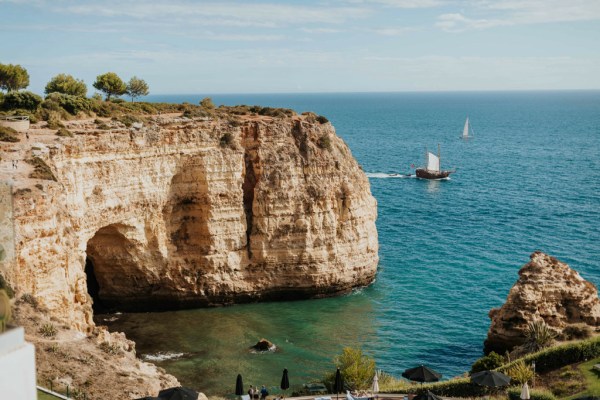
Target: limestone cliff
<point x="547" y="290"/>
<point x="188" y="212"/>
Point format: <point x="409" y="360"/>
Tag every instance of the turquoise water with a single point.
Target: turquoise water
<point x="450" y="250"/>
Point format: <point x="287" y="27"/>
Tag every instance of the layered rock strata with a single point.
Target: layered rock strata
<point x="547" y="290"/>
<point x="185" y="212"/>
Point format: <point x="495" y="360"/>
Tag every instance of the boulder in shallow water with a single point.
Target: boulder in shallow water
<point x="263" y="345"/>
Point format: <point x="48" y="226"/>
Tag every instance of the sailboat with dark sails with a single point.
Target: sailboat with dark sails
<point x="432" y="169"/>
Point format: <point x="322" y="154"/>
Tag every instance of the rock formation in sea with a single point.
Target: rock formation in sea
<point x="547" y="290"/>
<point x="185" y="212"/>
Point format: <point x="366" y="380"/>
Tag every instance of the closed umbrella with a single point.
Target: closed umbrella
<point x="421" y="374"/>
<point x="239" y="386"/>
<point x="338" y="385"/>
<point x="525" y="392"/>
<point x="375" y="384"/>
<point x="490" y="379"/>
<point x="285" y="380"/>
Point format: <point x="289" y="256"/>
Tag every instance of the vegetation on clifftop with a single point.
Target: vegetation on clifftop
<point x="66" y="99"/>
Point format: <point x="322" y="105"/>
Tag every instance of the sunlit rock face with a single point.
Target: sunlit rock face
<point x="183" y="213"/>
<point x="547" y="290"/>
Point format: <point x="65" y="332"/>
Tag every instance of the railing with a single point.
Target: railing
<point x="52" y="393"/>
<point x="14" y="117"/>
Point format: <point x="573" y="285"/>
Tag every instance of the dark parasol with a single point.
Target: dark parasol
<point x="239" y="386"/>
<point x="421" y="374"/>
<point x="285" y="380"/>
<point x="490" y="379"/>
<point x="178" y="393"/>
<point x="338" y="385"/>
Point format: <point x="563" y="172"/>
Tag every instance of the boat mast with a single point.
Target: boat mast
<point x="426" y="159"/>
<point x="439" y="158"/>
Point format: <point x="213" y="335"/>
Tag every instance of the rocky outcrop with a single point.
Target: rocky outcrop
<point x="547" y="290"/>
<point x="263" y="345"/>
<point x="189" y="212"/>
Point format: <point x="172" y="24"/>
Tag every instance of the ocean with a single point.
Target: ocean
<point x="449" y="250"/>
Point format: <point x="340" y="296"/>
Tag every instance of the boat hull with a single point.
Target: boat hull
<point x="426" y="174"/>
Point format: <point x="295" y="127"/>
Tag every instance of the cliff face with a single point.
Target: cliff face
<point x="547" y="290"/>
<point x="190" y="212"/>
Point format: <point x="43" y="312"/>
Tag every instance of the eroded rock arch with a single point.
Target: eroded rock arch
<point x="121" y="267"/>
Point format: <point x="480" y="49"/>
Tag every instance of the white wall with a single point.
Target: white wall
<point x="17" y="366"/>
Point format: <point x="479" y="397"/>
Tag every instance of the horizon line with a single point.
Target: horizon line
<point x="376" y="92"/>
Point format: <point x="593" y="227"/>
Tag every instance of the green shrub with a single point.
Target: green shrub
<point x="535" y="394"/>
<point x="54" y="121"/>
<point x="566" y="388"/>
<point x="461" y="387"/>
<point x="272" y="112"/>
<point x="129" y="119"/>
<point x="64" y="132"/>
<point x="110" y="348"/>
<point x="193" y="111"/>
<point x="520" y="372"/>
<point x="324" y="142"/>
<point x="63" y="83"/>
<point x="25" y="100"/>
<point x="487" y="363"/>
<point x="557" y="357"/>
<point x="29" y="299"/>
<point x="322" y="120"/>
<point x="207" y="103"/>
<point x="72" y="104"/>
<point x="41" y="170"/>
<point x="102" y="108"/>
<point x="538" y="336"/>
<point x="577" y="331"/>
<point x="47" y="330"/>
<point x="8" y="135"/>
<point x="546" y="360"/>
<point x="226" y="139"/>
<point x="51" y="104"/>
<point x="356" y="367"/>
<point x="117" y="101"/>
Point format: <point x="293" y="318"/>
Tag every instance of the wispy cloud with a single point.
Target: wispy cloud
<point x="402" y="3"/>
<point x="496" y="13"/>
<point x="227" y="13"/>
<point x="392" y="31"/>
<point x="321" y="30"/>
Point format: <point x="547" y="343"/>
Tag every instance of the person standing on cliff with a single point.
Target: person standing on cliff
<point x="251" y="392"/>
<point x="264" y="393"/>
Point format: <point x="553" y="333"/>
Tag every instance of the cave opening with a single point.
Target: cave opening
<point x="114" y="268"/>
<point x="93" y="287"/>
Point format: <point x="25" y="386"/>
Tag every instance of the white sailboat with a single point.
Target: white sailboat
<point x="467" y="129"/>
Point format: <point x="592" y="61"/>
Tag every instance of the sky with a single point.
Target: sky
<point x="192" y="47"/>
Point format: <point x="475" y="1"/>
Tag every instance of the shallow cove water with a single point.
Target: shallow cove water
<point x="450" y="250"/>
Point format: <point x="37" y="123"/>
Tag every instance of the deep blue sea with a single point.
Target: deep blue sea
<point x="450" y="250"/>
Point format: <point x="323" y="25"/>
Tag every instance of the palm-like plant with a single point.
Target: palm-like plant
<point x="538" y="336"/>
<point x="521" y="372"/>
